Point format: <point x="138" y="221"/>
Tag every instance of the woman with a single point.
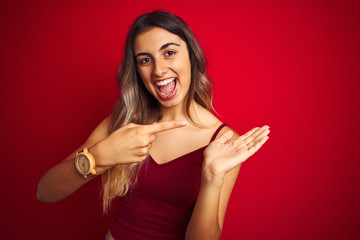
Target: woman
<point x="154" y="149"/>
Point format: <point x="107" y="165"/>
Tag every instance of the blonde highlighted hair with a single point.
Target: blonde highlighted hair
<point x="137" y="105"/>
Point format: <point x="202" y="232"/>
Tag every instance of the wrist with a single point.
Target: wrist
<point x="85" y="163"/>
<point x="211" y="178"/>
<point x="100" y="166"/>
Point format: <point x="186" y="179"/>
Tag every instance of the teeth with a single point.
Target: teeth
<point x="167" y="81"/>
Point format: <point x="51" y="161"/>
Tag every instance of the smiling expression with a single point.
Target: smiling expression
<point x="164" y="65"/>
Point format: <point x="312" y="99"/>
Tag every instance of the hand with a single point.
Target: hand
<point x="129" y="144"/>
<point x="224" y="154"/>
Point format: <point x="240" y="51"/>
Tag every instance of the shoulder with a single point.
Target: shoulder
<point x="204" y="117"/>
<point x="208" y="119"/>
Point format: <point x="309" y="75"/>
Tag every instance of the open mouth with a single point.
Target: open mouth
<point x="166" y="88"/>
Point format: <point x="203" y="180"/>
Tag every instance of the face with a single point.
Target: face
<point x="164" y="65"/>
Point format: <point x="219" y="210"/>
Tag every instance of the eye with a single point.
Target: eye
<point x="169" y="53"/>
<point x="145" y="61"/>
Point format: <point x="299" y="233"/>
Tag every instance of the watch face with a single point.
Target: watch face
<point x="83" y="164"/>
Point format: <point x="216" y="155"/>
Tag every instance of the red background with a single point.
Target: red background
<point x="293" y="65"/>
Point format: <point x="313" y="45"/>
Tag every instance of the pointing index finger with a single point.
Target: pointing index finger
<point x="164" y="126"/>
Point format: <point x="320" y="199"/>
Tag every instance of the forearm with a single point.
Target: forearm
<point x="63" y="179"/>
<point x="59" y="182"/>
<point x="204" y="222"/>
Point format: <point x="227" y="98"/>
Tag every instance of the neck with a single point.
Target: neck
<point x="179" y="112"/>
<point x="174" y="113"/>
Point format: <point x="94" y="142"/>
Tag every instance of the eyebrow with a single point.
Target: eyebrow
<point x="162" y="48"/>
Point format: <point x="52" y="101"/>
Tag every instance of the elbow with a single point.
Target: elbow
<point x="42" y="195"/>
<point x="39" y="197"/>
<point x="44" y="198"/>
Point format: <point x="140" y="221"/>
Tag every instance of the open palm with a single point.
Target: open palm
<point x="224" y="154"/>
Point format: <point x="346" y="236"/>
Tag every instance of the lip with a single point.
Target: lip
<point x="172" y="94"/>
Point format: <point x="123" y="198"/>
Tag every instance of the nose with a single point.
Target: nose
<point x="160" y="68"/>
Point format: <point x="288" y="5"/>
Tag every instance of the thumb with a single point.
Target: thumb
<point x="131" y="125"/>
<point x="225" y="137"/>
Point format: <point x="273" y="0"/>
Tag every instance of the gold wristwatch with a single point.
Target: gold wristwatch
<point x="85" y="163"/>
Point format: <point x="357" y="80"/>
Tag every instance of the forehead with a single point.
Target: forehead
<point x="154" y="38"/>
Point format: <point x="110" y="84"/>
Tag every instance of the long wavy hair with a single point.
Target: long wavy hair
<point x="137" y="105"/>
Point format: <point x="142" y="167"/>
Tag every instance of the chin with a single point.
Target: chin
<point x="169" y="104"/>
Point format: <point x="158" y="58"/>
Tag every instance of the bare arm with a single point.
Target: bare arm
<point x="221" y="166"/>
<point x="63" y="179"/>
<point x="128" y="144"/>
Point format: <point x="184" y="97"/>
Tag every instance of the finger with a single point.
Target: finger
<point x="252" y="134"/>
<point x="243" y="137"/>
<point x="258" y="145"/>
<point x="256" y="137"/>
<point x="238" y="142"/>
<point x="140" y="159"/>
<point x="152" y="138"/>
<point x="132" y="125"/>
<point x="144" y="151"/>
<point x="254" y="131"/>
<point x="225" y="137"/>
<point x="164" y="126"/>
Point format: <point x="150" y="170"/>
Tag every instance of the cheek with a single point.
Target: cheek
<point x="187" y="72"/>
<point x="184" y="67"/>
<point x="147" y="84"/>
<point x="144" y="77"/>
